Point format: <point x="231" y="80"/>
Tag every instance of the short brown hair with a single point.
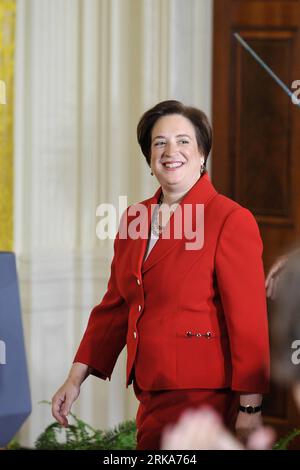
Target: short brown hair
<point x="196" y="116"/>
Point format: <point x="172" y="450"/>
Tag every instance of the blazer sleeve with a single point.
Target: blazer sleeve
<point x="105" y="335"/>
<point x="241" y="282"/>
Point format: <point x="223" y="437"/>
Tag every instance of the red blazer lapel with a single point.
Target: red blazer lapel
<point x="201" y="193"/>
<point x="139" y="245"/>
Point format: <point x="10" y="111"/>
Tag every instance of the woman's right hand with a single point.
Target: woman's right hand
<point x="63" y="399"/>
<point x="65" y="396"/>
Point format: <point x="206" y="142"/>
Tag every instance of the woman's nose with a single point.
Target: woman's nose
<point x="171" y="148"/>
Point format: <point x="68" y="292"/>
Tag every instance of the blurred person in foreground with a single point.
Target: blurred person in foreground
<point x="203" y="429"/>
<point x="275" y="271"/>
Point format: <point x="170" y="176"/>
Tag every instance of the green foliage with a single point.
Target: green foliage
<point x="13" y="445"/>
<point x="81" y="436"/>
<point x="283" y="443"/>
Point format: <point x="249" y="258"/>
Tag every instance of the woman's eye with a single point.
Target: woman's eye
<point x="159" y="142"/>
<point x="184" y="141"/>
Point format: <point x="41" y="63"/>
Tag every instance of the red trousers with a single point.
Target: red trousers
<point x="160" y="408"/>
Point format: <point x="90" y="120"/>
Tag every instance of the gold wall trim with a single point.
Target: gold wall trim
<point x="7" y="45"/>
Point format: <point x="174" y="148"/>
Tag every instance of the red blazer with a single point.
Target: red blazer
<point x="217" y="291"/>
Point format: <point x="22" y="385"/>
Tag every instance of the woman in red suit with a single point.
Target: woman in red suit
<point x="190" y="308"/>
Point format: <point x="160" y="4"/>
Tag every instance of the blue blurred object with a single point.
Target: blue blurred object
<point x="15" y="402"/>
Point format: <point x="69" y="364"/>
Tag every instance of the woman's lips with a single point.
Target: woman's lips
<point x="172" y="166"/>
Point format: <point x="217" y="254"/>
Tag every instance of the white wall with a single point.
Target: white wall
<point x="85" y="72"/>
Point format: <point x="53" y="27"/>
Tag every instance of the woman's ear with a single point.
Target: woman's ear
<point x="202" y="168"/>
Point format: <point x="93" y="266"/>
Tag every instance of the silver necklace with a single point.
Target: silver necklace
<point x="156" y="228"/>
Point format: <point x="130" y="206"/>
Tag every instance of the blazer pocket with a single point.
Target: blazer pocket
<point x="194" y="326"/>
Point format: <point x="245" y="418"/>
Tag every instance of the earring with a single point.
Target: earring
<point x="151" y="173"/>
<point x="202" y="168"/>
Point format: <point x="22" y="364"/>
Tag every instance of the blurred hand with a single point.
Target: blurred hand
<point x="62" y="401"/>
<point x="199" y="430"/>
<point x="261" y="439"/>
<point x="273" y="276"/>
<point x="203" y="430"/>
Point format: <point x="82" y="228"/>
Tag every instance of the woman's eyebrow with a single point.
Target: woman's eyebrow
<point x="184" y="135"/>
<point x="178" y="135"/>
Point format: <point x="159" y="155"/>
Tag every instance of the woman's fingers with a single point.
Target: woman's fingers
<point x="66" y="408"/>
<point x="57" y="403"/>
<point x="63" y="400"/>
<point x="269" y="287"/>
<point x="272" y="277"/>
<point x="61" y="405"/>
<point x="275" y="287"/>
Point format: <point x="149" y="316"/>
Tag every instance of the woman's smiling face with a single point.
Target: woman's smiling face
<point x="175" y="156"/>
